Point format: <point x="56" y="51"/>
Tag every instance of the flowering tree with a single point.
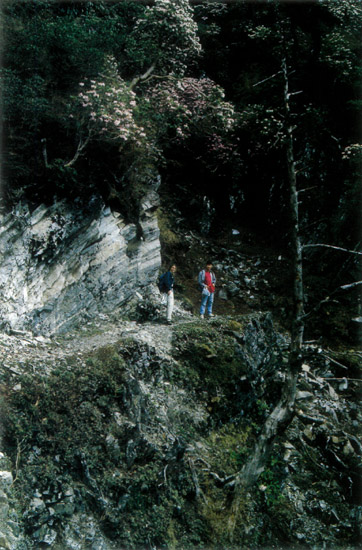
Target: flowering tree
<point x="190" y="106"/>
<point x="106" y="109"/>
<point x="165" y="37"/>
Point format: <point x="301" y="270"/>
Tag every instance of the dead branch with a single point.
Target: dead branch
<point x="351" y="285"/>
<point x="45" y="153"/>
<point x="19" y="450"/>
<point x="331" y="246"/>
<point x="344" y="378"/>
<point x="222" y="480"/>
<point x="266" y="79"/>
<point x="327" y="299"/>
<point x="309" y="419"/>
<point x="273" y="76"/>
<point x="334" y="361"/>
<point x="307" y="188"/>
<point x="142" y="77"/>
<point x="81" y="146"/>
<point x="198" y="490"/>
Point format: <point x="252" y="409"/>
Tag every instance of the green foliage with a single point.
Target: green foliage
<point x="168" y="237"/>
<point x="230" y="446"/>
<point x="62" y="423"/>
<point x="100" y="97"/>
<point x="61" y="432"/>
<point x="164" y="36"/>
<point x="271" y="481"/>
<point x="209" y="356"/>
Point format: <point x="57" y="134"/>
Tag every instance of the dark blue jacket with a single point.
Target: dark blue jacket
<point x="169" y="281"/>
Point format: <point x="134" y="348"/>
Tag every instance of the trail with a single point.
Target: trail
<point x="20" y="347"/>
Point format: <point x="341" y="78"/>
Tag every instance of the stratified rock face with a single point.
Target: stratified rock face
<point x="62" y="264"/>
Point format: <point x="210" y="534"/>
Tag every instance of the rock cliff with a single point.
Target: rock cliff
<point x="63" y="264"/>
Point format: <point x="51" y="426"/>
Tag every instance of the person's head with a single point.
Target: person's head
<point x="209" y="266"/>
<point x="172" y="268"/>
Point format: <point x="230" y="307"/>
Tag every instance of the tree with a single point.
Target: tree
<point x="283" y="411"/>
<point x="164" y="37"/>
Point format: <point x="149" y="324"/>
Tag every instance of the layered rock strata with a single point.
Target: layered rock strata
<point x="65" y="263"/>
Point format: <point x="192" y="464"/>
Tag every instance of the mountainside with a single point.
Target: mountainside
<point x="125" y="433"/>
<point x="129" y="435"/>
<point x="140" y="136"/>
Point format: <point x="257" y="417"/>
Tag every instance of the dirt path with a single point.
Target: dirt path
<point x="20" y="348"/>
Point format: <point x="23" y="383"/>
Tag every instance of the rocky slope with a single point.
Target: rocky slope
<point x="128" y="435"/>
<point x="120" y="432"/>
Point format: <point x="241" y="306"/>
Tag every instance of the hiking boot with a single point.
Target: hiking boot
<point x="202" y="316"/>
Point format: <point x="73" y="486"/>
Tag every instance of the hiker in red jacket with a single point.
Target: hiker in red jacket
<point x="207" y="282"/>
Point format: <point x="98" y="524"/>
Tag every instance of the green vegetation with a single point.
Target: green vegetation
<point x="105" y="97"/>
<point x="149" y="447"/>
<point x="47" y="423"/>
<point x="68" y="434"/>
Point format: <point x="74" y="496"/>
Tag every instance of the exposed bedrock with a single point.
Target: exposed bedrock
<point x="63" y="264"/>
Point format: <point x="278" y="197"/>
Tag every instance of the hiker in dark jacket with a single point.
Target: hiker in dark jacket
<point x="207" y="282"/>
<point x="167" y="291"/>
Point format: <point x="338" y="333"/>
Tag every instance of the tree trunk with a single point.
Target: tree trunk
<point x="298" y="295"/>
<point x="283" y="412"/>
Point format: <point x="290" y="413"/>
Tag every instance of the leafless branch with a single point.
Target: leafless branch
<point x="307" y="418"/>
<point x="351" y="285"/>
<point x="142" y="77"/>
<point x="333" y="247"/>
<point x="334" y="361"/>
<point x="266" y="79"/>
<point x="328" y="298"/>
<point x="198" y="491"/>
<point x="272" y="76"/>
<point x="81" y="146"/>
<point x="306" y="189"/>
<point x="19" y="450"/>
<point x="295" y="93"/>
<point x="344" y="378"/>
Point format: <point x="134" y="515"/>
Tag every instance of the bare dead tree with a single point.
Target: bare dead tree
<point x="283" y="412"/>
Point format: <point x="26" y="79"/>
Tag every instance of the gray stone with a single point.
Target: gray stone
<point x="304" y="395"/>
<point x="232" y="289"/>
<point x="6" y="479"/>
<point x="4" y="542"/>
<point x="50" y="537"/>
<point x="223" y="294"/>
<point x="60" y="265"/>
<point x="37" y="504"/>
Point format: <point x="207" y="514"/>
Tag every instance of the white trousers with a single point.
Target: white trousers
<point x="167" y="299"/>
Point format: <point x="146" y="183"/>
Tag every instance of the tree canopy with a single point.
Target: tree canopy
<point x="100" y="97"/>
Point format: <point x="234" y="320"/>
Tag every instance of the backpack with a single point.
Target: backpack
<point x="161" y="283"/>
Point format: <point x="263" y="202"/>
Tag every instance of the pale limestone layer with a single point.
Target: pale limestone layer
<point x="63" y="264"/>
